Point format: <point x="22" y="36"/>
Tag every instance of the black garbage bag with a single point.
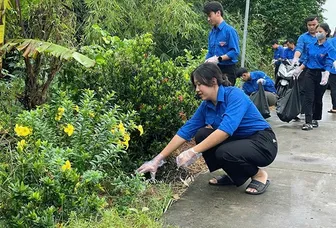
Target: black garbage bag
<point x="289" y="106"/>
<point x="260" y="101"/>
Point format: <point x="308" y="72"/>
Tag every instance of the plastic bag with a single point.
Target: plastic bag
<point x="289" y="106"/>
<point x="260" y="101"/>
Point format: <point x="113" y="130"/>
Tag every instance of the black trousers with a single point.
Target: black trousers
<point x="301" y="81"/>
<point x="332" y="83"/>
<point x="313" y="95"/>
<point x="230" y="72"/>
<point x="240" y="158"/>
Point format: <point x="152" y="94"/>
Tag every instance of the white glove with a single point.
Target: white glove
<point x="295" y="61"/>
<point x="297" y="73"/>
<point x="334" y="64"/>
<point x="324" y="78"/>
<point x="151" y="166"/>
<point x="261" y="80"/>
<point x="213" y="59"/>
<point x="187" y="158"/>
<point x="273" y="61"/>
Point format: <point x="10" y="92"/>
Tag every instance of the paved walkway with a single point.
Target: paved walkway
<point x="302" y="191"/>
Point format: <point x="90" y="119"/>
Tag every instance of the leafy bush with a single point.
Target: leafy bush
<point x="159" y="91"/>
<point x="59" y="158"/>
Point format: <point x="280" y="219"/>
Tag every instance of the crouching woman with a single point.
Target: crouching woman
<point x="229" y="132"/>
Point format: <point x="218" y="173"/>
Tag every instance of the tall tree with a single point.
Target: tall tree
<point x="281" y="19"/>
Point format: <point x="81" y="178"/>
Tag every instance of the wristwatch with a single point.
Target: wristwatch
<point x="220" y="59"/>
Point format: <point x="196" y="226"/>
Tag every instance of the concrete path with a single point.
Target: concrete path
<point x="302" y="191"/>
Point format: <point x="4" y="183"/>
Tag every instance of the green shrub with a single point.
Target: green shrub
<point x="159" y="91"/>
<point x="59" y="158"/>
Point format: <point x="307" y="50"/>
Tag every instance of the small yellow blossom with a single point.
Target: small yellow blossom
<point x="113" y="131"/>
<point x="91" y="114"/>
<point x="76" y="108"/>
<point x="66" y="166"/>
<point x="121" y="128"/>
<point x="69" y="129"/>
<point x="22" y="131"/>
<point x="126" y="140"/>
<point x="139" y="127"/>
<point x="21" y="145"/>
<point x="60" y="112"/>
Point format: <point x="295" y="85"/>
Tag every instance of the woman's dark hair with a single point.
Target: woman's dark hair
<point x="206" y="72"/>
<point x="325" y="27"/>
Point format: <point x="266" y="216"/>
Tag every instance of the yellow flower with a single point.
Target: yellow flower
<point x="125" y="143"/>
<point x="126" y="140"/>
<point x="66" y="166"/>
<point x="140" y="129"/>
<point x="121" y="128"/>
<point x="113" y="131"/>
<point x="21" y="145"/>
<point x="91" y="114"/>
<point x="76" y="108"/>
<point x="22" y="131"/>
<point x="69" y="129"/>
<point x="60" y="112"/>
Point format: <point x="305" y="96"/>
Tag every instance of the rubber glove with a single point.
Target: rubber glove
<point x="152" y="166"/>
<point x="213" y="59"/>
<point x="274" y="61"/>
<point x="324" y="78"/>
<point x="295" y="62"/>
<point x="297" y="73"/>
<point x="187" y="158"/>
<point x="261" y="80"/>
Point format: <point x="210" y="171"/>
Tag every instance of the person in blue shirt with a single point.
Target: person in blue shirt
<point x="223" y="41"/>
<point x="319" y="62"/>
<point x="229" y="132"/>
<point x="332" y="79"/>
<point x="251" y="80"/>
<point x="290" y="50"/>
<point x="301" y="51"/>
<point x="278" y="56"/>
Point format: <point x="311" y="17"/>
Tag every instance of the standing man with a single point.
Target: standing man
<point x="223" y="42"/>
<point x="290" y="51"/>
<point x="278" y="56"/>
<point x="301" y="51"/>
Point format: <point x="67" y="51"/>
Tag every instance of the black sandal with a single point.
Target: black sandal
<point x="222" y="181"/>
<point x="259" y="186"/>
<point x="307" y="127"/>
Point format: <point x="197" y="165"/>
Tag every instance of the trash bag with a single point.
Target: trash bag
<point x="260" y="101"/>
<point x="289" y="106"/>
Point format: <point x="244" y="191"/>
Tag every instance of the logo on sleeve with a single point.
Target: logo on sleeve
<point x="222" y="43"/>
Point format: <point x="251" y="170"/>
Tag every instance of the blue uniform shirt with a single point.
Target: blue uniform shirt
<point x="224" y="40"/>
<point x="234" y="114"/>
<point x="252" y="85"/>
<point x="333" y="43"/>
<point x="320" y="56"/>
<point x="279" y="53"/>
<point x="289" y="53"/>
<point x="302" y="43"/>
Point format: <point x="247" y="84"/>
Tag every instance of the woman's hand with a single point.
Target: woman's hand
<point x="152" y="166"/>
<point x="187" y="158"/>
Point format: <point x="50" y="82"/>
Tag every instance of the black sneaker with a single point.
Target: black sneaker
<point x="307" y="127"/>
<point x="315" y="123"/>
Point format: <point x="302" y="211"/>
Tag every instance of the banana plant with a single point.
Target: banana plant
<point x="36" y="53"/>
